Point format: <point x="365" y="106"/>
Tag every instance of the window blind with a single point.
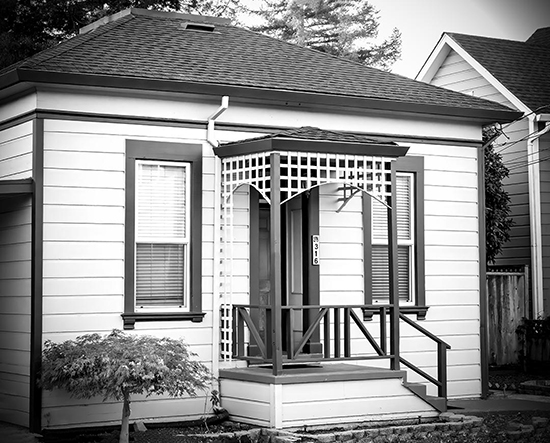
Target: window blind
<point x="380" y="274"/>
<point x="161" y="233"/>
<point x="405" y="242"/>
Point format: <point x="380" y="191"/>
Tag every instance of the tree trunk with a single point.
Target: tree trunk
<point x="124" y="428"/>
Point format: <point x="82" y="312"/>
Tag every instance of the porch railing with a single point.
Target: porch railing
<point x="325" y="335"/>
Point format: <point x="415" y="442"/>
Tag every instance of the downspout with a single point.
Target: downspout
<point x="216" y="253"/>
<point x="210" y="130"/>
<point x="533" y="172"/>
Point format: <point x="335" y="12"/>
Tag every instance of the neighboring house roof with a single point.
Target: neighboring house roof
<point x="521" y="67"/>
<point x="151" y="50"/>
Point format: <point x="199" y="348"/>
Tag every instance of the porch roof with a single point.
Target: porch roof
<point x="311" y="139"/>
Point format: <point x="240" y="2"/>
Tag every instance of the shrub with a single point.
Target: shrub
<point x="119" y="365"/>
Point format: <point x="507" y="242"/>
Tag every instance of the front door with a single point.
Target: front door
<point x="299" y="221"/>
<point x="294" y="259"/>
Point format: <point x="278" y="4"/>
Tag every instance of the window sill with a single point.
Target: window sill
<point x="131" y="318"/>
<point x="420" y="312"/>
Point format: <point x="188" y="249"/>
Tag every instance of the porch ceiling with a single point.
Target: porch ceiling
<point x="311" y="139"/>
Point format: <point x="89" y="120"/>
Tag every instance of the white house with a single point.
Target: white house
<point x="514" y="74"/>
<point x="134" y="195"/>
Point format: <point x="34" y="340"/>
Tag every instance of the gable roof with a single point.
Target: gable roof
<point x="521" y="67"/>
<point x="154" y="50"/>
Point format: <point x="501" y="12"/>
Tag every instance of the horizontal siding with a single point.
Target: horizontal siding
<point x="341" y="251"/>
<point x="514" y="155"/>
<point x="451" y="264"/>
<point x="83" y="248"/>
<point x="456" y="74"/>
<point x="544" y="147"/>
<point x="16" y="152"/>
<point x="15" y="309"/>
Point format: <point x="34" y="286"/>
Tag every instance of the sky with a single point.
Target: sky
<point x="422" y="23"/>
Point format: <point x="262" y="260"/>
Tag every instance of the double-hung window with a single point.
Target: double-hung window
<point x="408" y="183"/>
<point x="405" y="243"/>
<point x="163" y="239"/>
<point x="162" y="234"/>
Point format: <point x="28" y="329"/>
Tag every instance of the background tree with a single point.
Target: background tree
<point x="342" y="28"/>
<point x="497" y="201"/>
<point x="29" y="26"/>
<point x="120" y="365"/>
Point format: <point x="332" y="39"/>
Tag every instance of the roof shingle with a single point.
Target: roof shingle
<point x="521" y="67"/>
<point x="145" y="46"/>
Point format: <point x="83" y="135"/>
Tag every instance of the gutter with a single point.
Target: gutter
<point x="288" y="97"/>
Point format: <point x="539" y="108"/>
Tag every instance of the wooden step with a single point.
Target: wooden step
<point x="419" y="389"/>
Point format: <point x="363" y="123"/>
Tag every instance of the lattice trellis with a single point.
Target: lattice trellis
<point x="300" y="171"/>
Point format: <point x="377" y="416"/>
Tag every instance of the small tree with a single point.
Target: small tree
<point x="119" y="365"/>
<point x="497" y="201"/>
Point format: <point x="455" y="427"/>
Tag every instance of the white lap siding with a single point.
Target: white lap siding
<point x="15" y="277"/>
<point x="458" y="75"/>
<point x="15" y="308"/>
<point x="84" y="226"/>
<point x="341" y="254"/>
<point x="16" y="152"/>
<point x="451" y="219"/>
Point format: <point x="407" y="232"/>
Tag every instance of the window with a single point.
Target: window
<point x="162" y="243"/>
<point x="163" y="232"/>
<point x="408" y="181"/>
<point x="405" y="243"/>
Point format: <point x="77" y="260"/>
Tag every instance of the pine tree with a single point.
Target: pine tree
<point x="343" y="28"/>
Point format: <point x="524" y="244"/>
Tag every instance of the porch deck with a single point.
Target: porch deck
<point x="314" y="395"/>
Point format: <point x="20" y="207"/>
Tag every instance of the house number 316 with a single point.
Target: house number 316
<point x="315" y="250"/>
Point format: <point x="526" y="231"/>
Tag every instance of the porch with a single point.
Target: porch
<point x="290" y="337"/>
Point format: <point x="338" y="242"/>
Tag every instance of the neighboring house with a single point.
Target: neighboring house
<point x="514" y="74"/>
<point x="121" y="209"/>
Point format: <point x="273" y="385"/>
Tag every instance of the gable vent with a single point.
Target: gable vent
<point x="204" y="27"/>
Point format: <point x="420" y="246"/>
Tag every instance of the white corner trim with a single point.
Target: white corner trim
<point x="535" y="220"/>
<point x="434" y="61"/>
<point x="440" y="52"/>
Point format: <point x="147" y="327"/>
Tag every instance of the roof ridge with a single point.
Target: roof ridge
<point x="154" y="14"/>
<point x="483" y="37"/>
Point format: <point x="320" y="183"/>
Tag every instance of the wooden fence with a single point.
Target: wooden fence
<point x="509" y="302"/>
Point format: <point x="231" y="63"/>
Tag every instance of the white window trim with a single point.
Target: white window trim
<point x="174" y="240"/>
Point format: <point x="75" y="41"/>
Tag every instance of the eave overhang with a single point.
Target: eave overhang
<point x="293" y="97"/>
<point x="278" y="144"/>
<point x="16" y="187"/>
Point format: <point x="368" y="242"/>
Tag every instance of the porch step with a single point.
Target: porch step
<point x="320" y="395"/>
<point x="439" y="403"/>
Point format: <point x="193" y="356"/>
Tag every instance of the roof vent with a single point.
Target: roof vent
<point x="204" y="27"/>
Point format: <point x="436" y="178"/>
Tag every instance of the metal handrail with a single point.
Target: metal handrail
<point x="441" y="381"/>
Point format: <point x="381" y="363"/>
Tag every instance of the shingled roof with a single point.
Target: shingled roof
<point x="152" y="50"/>
<point x="522" y="67"/>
